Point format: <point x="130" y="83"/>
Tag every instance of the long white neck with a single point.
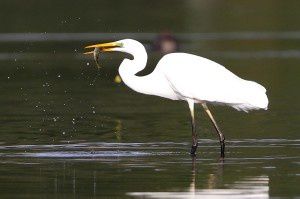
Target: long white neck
<point x="129" y="68"/>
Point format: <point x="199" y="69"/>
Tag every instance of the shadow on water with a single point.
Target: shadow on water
<point x="166" y="167"/>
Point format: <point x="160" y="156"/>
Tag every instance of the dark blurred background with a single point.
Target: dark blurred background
<point x="250" y="21"/>
<point x="44" y="74"/>
<point x="148" y="16"/>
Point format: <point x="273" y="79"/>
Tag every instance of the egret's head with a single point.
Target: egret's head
<point x="129" y="46"/>
<point x="125" y="45"/>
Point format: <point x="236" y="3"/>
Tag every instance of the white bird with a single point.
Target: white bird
<point x="182" y="76"/>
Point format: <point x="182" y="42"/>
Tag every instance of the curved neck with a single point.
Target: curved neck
<point x="129" y="68"/>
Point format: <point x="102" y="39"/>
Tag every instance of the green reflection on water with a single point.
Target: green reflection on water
<point x="55" y="99"/>
<point x="66" y="102"/>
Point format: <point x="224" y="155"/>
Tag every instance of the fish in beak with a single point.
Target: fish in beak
<point x="98" y="48"/>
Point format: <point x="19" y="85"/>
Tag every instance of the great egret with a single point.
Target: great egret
<point x="182" y="76"/>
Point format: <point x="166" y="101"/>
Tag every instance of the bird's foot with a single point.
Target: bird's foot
<point x="193" y="149"/>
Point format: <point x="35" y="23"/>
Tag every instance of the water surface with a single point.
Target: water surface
<point x="253" y="168"/>
<point x="69" y="131"/>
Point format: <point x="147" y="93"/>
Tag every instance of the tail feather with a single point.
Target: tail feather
<point x="254" y="97"/>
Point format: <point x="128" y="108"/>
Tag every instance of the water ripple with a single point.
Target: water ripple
<point x="111" y="150"/>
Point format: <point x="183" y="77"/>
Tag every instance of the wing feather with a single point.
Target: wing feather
<point x="201" y="79"/>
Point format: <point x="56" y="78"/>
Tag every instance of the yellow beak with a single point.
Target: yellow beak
<point x="104" y="47"/>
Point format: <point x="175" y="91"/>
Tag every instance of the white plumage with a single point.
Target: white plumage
<point x="182" y="76"/>
<point x="201" y="79"/>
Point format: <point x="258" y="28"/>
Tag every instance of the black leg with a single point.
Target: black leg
<point x="194" y="135"/>
<point x="220" y="134"/>
<point x="222" y="143"/>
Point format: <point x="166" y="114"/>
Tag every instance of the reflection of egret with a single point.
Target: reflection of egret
<point x="249" y="187"/>
<point x="118" y="129"/>
<point x="181" y="76"/>
<point x="216" y="177"/>
<point x="212" y="180"/>
<point x="192" y="188"/>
